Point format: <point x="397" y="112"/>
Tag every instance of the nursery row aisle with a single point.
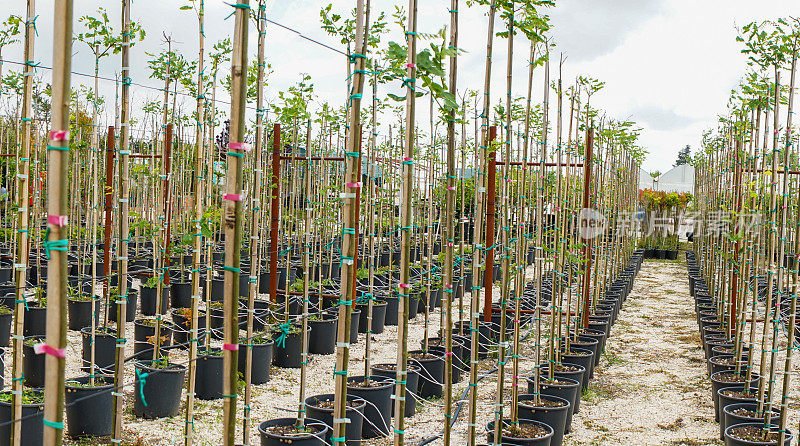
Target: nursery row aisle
<point x="651" y="386"/>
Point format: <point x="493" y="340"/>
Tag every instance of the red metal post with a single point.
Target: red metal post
<point x="587" y="246"/>
<point x="275" y="191"/>
<point x="491" y="189"/>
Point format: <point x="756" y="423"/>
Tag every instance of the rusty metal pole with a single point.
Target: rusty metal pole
<point x="587" y="247"/>
<point x="275" y="191"/>
<point x="491" y="191"/>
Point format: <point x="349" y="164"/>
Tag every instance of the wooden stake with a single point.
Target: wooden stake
<point x="232" y="219"/>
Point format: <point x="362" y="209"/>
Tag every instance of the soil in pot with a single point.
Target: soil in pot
<point x="525" y="433"/>
<point x="752" y="434"/>
<point x="157" y="389"/>
<point x="89" y="407"/>
<point x="32" y="416"/>
<point x="431" y="373"/>
<point x="283" y="431"/>
<point x="387" y="371"/>
<point x="551" y="410"/>
<point x="320" y="407"/>
<point x="378" y="395"/>
<point x="262" y="353"/>
<point x="208" y="378"/>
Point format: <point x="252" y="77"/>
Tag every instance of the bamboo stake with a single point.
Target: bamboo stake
<point x="57" y="208"/>
<point x="449" y="234"/>
<point x="406" y="228"/>
<point x="21" y="257"/>
<point x="119" y="362"/>
<point x="197" y="235"/>
<point x="232" y="219"/>
<point x="349" y="238"/>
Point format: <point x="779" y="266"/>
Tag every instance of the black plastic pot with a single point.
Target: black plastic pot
<point x="355" y="321"/>
<point x="584" y="358"/>
<point x="288" y="349"/>
<point x="148" y="303"/>
<point x="35" y="320"/>
<point x="412" y="383"/>
<point x="355" y="413"/>
<point x="555" y="417"/>
<point x="392" y="309"/>
<point x="157" y="391"/>
<point x="180" y="294"/>
<point x="5" y="329"/>
<point x="717" y="383"/>
<point x="261" y="362"/>
<point x="270" y="439"/>
<point x="730" y="441"/>
<point x="32" y="425"/>
<point x="208" y="378"/>
<point x="130" y="308"/>
<point x="32" y="364"/>
<point x="591" y="344"/>
<point x="431" y="373"/>
<point x="105" y="346"/>
<point x="79" y="314"/>
<point x="575" y="375"/>
<point x="601" y="342"/>
<point x="89" y="409"/>
<point x="730" y="418"/>
<point x="322" y="338"/>
<point x="379" y="406"/>
<point x="543" y="441"/>
<point x="565" y="388"/>
<point x="378" y="317"/>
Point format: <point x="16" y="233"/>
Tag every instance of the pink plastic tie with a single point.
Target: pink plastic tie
<point x="447" y="354"/>
<point x="59" y="135"/>
<point x="451" y="188"/>
<point x="449" y="287"/>
<point x="411" y="65"/>
<point x="232" y="197"/>
<point x="404" y="285"/>
<point x="231" y="347"/>
<point x="405" y="158"/>
<point x="52" y="351"/>
<point x="353" y="185"/>
<point x="57" y="220"/>
<point x="239" y="146"/>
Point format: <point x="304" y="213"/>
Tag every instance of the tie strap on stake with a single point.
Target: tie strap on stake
<point x="43" y="348"/>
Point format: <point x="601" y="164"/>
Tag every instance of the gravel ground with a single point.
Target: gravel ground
<point x="650" y="388"/>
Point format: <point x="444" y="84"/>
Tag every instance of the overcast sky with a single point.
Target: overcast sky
<point x="667" y="64"/>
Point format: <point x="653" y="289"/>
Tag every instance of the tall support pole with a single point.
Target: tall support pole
<point x="23" y="195"/>
<point x="449" y="234"/>
<point x="349" y="239"/>
<point x="198" y="234"/>
<point x="406" y="229"/>
<point x="122" y="248"/>
<point x="255" y="222"/>
<point x="587" y="244"/>
<point x="166" y="172"/>
<point x="486" y="136"/>
<point x="232" y="220"/>
<point x="108" y="209"/>
<point x="57" y="210"/>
